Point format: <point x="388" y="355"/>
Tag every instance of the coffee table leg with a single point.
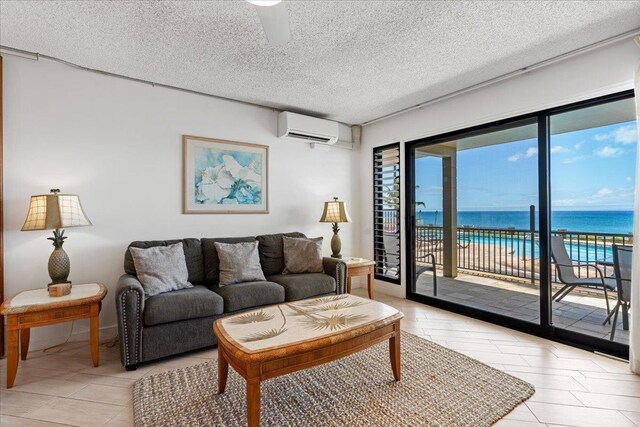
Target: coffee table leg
<point x="223" y="371"/>
<point x="24" y="343"/>
<point x="370" y="282"/>
<point x="394" y="352"/>
<point x="12" y="355"/>
<point x="253" y="403"/>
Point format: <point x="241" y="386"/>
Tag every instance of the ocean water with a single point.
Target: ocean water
<point x="619" y="222"/>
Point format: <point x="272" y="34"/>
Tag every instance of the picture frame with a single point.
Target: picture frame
<point x="224" y="177"/>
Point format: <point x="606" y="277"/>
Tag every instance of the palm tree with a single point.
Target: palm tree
<point x="420" y="203"/>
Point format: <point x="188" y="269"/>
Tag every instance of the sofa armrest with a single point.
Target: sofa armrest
<point x="129" y="307"/>
<point x="338" y="269"/>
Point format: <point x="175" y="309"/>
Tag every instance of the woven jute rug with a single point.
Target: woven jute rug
<point x="439" y="387"/>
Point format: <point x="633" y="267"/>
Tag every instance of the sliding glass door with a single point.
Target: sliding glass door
<point x="524" y="222"/>
<point x="475" y="220"/>
<point x="593" y="170"/>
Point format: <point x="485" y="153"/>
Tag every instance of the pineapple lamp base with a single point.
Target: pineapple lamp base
<point x="59" y="263"/>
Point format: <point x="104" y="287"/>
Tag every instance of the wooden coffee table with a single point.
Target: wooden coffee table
<point x="34" y="308"/>
<point x="280" y="339"/>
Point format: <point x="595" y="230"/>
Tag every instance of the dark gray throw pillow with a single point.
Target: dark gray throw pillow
<point x="302" y="255"/>
<point x="161" y="268"/>
<point x="239" y="262"/>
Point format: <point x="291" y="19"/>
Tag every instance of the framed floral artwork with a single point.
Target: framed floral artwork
<point x="224" y="176"/>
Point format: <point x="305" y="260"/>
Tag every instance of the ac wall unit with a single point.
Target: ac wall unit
<point x="307" y="129"/>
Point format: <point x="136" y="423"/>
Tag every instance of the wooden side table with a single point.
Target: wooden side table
<point x="360" y="267"/>
<point x="34" y="308"/>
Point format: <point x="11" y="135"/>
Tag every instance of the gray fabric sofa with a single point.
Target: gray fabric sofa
<point x="178" y="321"/>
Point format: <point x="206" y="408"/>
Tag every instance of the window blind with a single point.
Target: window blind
<point x="386" y="212"/>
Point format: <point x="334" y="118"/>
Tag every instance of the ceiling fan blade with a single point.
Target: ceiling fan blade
<point x="275" y="23"/>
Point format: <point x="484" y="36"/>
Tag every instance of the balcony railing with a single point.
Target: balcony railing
<point x="516" y="252"/>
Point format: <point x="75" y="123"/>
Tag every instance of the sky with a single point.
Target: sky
<point x="591" y="169"/>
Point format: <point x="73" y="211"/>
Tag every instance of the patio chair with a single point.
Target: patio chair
<point x="622" y="256"/>
<point x="429" y="245"/>
<point x="430" y="261"/>
<point x="566" y="274"/>
<point x="463" y="241"/>
<point x="434" y="245"/>
<point x="391" y="241"/>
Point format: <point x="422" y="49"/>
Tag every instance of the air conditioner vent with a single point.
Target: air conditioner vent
<point x="308" y="138"/>
<point x="307" y="129"/>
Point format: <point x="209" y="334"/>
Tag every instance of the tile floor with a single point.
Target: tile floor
<point x="573" y="387"/>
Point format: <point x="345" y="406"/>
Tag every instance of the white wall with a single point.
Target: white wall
<point x="599" y="72"/>
<point x="118" y="145"/>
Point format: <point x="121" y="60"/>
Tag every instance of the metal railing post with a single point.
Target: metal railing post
<point x="532" y="228"/>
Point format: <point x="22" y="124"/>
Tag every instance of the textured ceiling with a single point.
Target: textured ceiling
<point x="348" y="61"/>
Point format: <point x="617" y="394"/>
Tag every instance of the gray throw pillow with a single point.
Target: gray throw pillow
<point x="161" y="268"/>
<point x="239" y="262"/>
<point x="302" y="255"/>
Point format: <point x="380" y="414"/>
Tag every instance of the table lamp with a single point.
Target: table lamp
<point x="56" y="212"/>
<point x="335" y="212"/>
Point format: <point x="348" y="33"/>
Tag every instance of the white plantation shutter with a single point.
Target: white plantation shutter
<point x="386" y="212"/>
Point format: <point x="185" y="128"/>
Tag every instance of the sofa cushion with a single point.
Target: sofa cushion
<point x="184" y="304"/>
<point x="301" y="286"/>
<point x="161" y="268"/>
<point x="192" y="255"/>
<point x="239" y="263"/>
<point x="211" y="260"/>
<point x="272" y="252"/>
<point x="240" y="296"/>
<point x="302" y="255"/>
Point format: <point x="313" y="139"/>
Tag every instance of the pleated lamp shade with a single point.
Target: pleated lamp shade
<point x="52" y="211"/>
<point x="335" y="211"/>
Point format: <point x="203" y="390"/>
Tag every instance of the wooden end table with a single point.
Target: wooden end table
<point x="29" y="309"/>
<point x="279" y="339"/>
<point x="360" y="267"/>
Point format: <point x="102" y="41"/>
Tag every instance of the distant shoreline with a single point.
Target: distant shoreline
<point x="588" y="221"/>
